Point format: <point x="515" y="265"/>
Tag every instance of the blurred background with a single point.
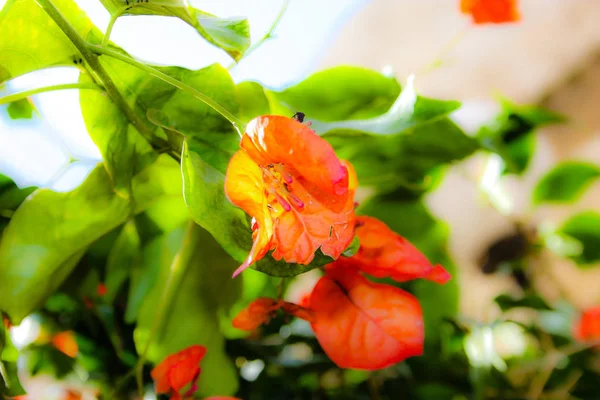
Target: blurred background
<point x="550" y="58"/>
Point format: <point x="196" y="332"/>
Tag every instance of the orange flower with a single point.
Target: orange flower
<point x="101" y="289"/>
<point x="178" y="371"/>
<point x="298" y="193"/>
<point x="66" y="343"/>
<point x="384" y="253"/>
<point x="365" y="325"/>
<point x="262" y="309"/>
<point x="491" y="11"/>
<point x="587" y="327"/>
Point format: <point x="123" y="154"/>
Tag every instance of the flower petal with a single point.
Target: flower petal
<point x="491" y="11"/>
<point x="384" y="253"/>
<point x="182" y="374"/>
<point x="244" y="187"/>
<point x="275" y="139"/>
<point x="161" y="373"/>
<point x="257" y="313"/>
<point x="365" y="325"/>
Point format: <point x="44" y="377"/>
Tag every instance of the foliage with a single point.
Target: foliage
<point x="129" y="275"/>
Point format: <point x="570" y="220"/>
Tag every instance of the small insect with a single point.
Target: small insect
<point x="299" y="116"/>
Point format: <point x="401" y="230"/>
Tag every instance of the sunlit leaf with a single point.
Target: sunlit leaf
<point x="252" y="99"/>
<point x="339" y="93"/>
<point x="23" y="20"/>
<point x="585" y="228"/>
<point x="230" y="34"/>
<point x="204" y="286"/>
<point x="565" y="182"/>
<point x="50" y="231"/>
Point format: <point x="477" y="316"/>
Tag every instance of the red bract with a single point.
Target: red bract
<point x="262" y="309"/>
<point x="491" y="11"/>
<point x="587" y="327"/>
<point x="178" y="371"/>
<point x="296" y="190"/>
<point x="365" y="325"/>
<point x="384" y="253"/>
<point x="257" y="313"/>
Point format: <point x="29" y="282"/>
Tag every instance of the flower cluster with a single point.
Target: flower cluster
<point x="301" y="198"/>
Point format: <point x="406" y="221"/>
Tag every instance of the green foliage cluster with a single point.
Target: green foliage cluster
<point x="152" y="222"/>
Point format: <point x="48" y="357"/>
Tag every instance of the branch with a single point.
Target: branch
<point x="26" y="93"/>
<point x="92" y="61"/>
<point x="235" y="121"/>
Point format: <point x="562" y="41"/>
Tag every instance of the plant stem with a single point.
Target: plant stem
<point x="268" y="35"/>
<point x="236" y="122"/>
<point x="176" y="274"/>
<point x="26" y="93"/>
<point x="92" y="61"/>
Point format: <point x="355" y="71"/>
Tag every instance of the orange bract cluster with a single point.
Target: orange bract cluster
<point x="587" y="328"/>
<point x="298" y="193"/>
<point x="491" y="11"/>
<point x="301" y="198"/>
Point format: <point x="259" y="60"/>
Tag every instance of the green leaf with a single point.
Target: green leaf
<point x="411" y="219"/>
<point x="49" y="233"/>
<point x="511" y="134"/>
<point x="339" y="93"/>
<point x="506" y="302"/>
<point x="123" y="257"/>
<point x="408" y="111"/>
<point x="252" y="99"/>
<point x="403" y="160"/>
<point x="202" y="285"/>
<point x="585" y="228"/>
<point x="9" y="379"/>
<point x="230" y="34"/>
<point x="20" y="109"/>
<point x="30" y="40"/>
<point x="566" y="182"/>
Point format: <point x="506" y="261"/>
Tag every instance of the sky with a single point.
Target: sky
<point x="54" y="150"/>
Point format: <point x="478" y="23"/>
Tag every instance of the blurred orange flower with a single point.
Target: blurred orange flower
<point x="66" y="343"/>
<point x="298" y="193"/>
<point x="587" y="328"/>
<point x="258" y="312"/>
<point x="179" y="370"/>
<point x="261" y="310"/>
<point x="384" y="253"/>
<point x="101" y="289"/>
<point x="491" y="11"/>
